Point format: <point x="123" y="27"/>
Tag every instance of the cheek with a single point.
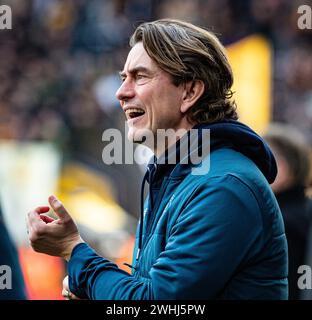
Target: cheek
<point x="161" y="103"/>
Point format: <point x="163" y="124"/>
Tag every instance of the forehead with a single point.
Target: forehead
<point x="138" y="57"/>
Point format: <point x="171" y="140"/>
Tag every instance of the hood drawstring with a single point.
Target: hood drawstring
<point x="149" y="175"/>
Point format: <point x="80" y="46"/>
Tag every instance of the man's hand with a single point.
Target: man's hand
<point x="56" y="237"/>
<point x="66" y="292"/>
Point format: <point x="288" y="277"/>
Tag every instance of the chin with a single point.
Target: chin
<point x="141" y="136"/>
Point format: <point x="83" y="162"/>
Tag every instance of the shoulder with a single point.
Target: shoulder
<point x="226" y="167"/>
<point x="233" y="180"/>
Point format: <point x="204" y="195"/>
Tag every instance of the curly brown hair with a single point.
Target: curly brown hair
<point x="190" y="53"/>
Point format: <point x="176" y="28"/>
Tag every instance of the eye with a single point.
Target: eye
<point x="140" y="76"/>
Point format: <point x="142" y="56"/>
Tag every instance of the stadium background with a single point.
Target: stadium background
<point x="58" y="74"/>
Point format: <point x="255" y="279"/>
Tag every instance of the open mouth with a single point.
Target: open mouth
<point x="133" y="113"/>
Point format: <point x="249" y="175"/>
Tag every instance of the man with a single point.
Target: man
<point x="292" y="153"/>
<point x="214" y="235"/>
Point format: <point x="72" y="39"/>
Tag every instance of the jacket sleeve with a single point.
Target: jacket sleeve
<point x="211" y="237"/>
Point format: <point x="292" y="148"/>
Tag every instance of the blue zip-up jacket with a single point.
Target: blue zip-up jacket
<point x="217" y="235"/>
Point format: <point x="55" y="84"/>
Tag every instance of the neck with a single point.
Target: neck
<point x="168" y="140"/>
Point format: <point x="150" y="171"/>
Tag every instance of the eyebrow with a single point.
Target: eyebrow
<point x="136" y="70"/>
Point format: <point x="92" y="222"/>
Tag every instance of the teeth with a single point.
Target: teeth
<point x="134" y="110"/>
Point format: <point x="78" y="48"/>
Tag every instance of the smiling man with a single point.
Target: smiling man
<point x="217" y="235"/>
<point x="151" y="100"/>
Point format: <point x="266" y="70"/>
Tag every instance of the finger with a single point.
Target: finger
<point x="36" y="227"/>
<point x="65" y="283"/>
<point x="42" y="209"/>
<point x="66" y="294"/>
<point x="69" y="295"/>
<point x="34" y="217"/>
<point x="27" y="222"/>
<point x="46" y="218"/>
<point x="59" y="209"/>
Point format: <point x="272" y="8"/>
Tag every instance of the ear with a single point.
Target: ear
<point x="193" y="90"/>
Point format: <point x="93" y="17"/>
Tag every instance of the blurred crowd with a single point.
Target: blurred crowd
<point x="59" y="68"/>
<point x="58" y="64"/>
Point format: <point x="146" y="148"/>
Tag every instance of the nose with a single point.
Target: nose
<point x="126" y="91"/>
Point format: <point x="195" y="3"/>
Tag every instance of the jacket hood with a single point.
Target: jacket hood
<point x="244" y="140"/>
<point x="229" y="133"/>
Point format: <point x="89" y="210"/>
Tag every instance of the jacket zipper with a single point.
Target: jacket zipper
<point x="154" y="210"/>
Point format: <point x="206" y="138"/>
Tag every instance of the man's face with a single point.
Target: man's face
<point x="149" y="98"/>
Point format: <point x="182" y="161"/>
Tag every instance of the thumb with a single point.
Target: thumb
<point x="59" y="209"/>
